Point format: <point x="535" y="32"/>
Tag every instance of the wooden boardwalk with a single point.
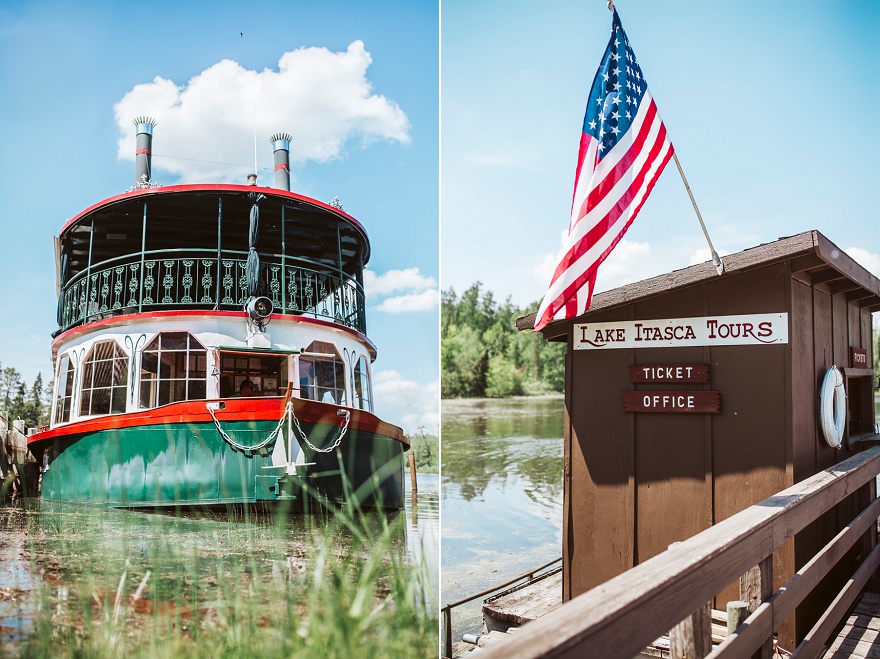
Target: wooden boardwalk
<point x="860" y="636"/>
<point x="523" y="603"/>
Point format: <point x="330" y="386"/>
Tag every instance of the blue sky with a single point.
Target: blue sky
<point x="769" y="105"/>
<point x="72" y="72"/>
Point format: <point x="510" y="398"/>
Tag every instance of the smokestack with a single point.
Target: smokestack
<point x="144" y="152"/>
<point x="281" y="144"/>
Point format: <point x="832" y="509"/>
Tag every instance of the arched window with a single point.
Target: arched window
<point x="173" y="368"/>
<point x="363" y="395"/>
<point x="104" y="380"/>
<point x="64" y="390"/>
<point x="322" y="373"/>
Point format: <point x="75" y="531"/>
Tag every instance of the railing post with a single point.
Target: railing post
<point x="143" y="249"/>
<point x="447" y="621"/>
<point x="692" y="637"/>
<point x="756" y="586"/>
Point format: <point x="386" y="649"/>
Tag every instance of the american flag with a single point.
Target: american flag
<point x="624" y="148"/>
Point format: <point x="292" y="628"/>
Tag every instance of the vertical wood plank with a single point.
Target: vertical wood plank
<point x="756" y="586"/>
<point x="692" y="637"/>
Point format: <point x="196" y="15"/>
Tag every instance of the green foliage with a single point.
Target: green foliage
<point x="31" y="405"/>
<point x="876" y="349"/>
<point x="463" y="362"/>
<point x="503" y="378"/>
<point x="427" y="451"/>
<point x="483" y="354"/>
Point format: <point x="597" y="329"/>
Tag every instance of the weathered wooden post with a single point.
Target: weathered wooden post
<point x="755" y="586"/>
<point x="692" y="637"/>
<point x="412" y="472"/>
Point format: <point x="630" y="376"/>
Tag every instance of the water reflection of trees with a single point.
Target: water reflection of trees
<point x="484" y="440"/>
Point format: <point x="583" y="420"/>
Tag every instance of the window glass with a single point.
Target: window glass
<point x="267" y="374"/>
<point x="105" y="380"/>
<point x="64" y="391"/>
<point x="322" y="374"/>
<point x="362" y="394"/>
<point x="173" y="368"/>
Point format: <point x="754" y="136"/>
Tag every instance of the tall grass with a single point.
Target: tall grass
<point x="328" y="584"/>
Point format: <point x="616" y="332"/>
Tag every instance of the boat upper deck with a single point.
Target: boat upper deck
<point x="188" y="246"/>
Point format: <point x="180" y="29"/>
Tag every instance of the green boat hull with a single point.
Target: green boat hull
<point x="190" y="464"/>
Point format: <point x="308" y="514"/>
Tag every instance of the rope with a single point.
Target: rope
<point x="288" y="414"/>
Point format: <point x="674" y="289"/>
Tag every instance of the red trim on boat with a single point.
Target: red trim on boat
<point x="237" y="409"/>
<point x="213" y="187"/>
<point x="148" y="315"/>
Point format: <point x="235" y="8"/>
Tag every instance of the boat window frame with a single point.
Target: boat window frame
<point x="119" y="357"/>
<point x="339" y="367"/>
<point x="190" y="352"/>
<point x="68" y="383"/>
<point x="283" y="378"/>
<point x="366" y="382"/>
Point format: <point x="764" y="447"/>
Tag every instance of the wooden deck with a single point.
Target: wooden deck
<point x="523" y="603"/>
<point x="626" y="614"/>
<point x="860" y="636"/>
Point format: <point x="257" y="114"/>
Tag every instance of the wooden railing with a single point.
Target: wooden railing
<point x="626" y="614"/>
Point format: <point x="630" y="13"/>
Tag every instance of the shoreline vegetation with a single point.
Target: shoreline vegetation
<point x="141" y="585"/>
<point x="483" y="355"/>
<point x="426" y="448"/>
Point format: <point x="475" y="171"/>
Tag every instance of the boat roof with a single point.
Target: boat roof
<point x="814" y="256"/>
<point x="281" y="195"/>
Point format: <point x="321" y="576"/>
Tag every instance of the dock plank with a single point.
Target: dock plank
<point x="527" y="603"/>
<point x="860" y="636"/>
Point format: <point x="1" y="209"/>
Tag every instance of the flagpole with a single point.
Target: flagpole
<point x="719" y="266"/>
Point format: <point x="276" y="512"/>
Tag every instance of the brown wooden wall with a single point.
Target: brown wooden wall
<point x="635" y="483"/>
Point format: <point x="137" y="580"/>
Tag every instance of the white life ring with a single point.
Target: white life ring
<point x="832" y="407"/>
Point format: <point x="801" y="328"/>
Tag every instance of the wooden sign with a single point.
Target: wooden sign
<point x="683" y="402"/>
<point x="752" y="330"/>
<point x="859" y="357"/>
<point x="669" y="373"/>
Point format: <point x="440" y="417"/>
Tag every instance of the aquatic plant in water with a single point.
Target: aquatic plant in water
<point x="327" y="584"/>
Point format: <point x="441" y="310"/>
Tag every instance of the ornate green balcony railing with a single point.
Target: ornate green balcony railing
<point x="132" y="284"/>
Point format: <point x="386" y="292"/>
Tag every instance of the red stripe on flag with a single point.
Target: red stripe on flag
<point x="599" y="191"/>
<point x="606" y="223"/>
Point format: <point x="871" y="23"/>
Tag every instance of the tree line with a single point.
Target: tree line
<point x="484" y="355"/>
<point x="31" y="404"/>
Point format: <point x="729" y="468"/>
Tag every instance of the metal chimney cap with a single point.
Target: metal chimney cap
<point x="252" y="179"/>
<point x="281" y="141"/>
<point x="144" y="124"/>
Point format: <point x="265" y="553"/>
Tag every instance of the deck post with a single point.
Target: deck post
<point x="412" y="471"/>
<point x="756" y="586"/>
<point x="692" y="637"/>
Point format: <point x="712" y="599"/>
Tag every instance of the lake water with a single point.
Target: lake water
<point x="501" y="497"/>
<point x="64" y="554"/>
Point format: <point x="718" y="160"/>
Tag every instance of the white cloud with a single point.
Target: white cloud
<point x="415" y="302"/>
<point x="407" y="403"/>
<point x="421" y="292"/>
<point x="869" y="260"/>
<point x="543" y="272"/>
<point x="629" y="261"/>
<point x="409" y="279"/>
<point x="322" y="98"/>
